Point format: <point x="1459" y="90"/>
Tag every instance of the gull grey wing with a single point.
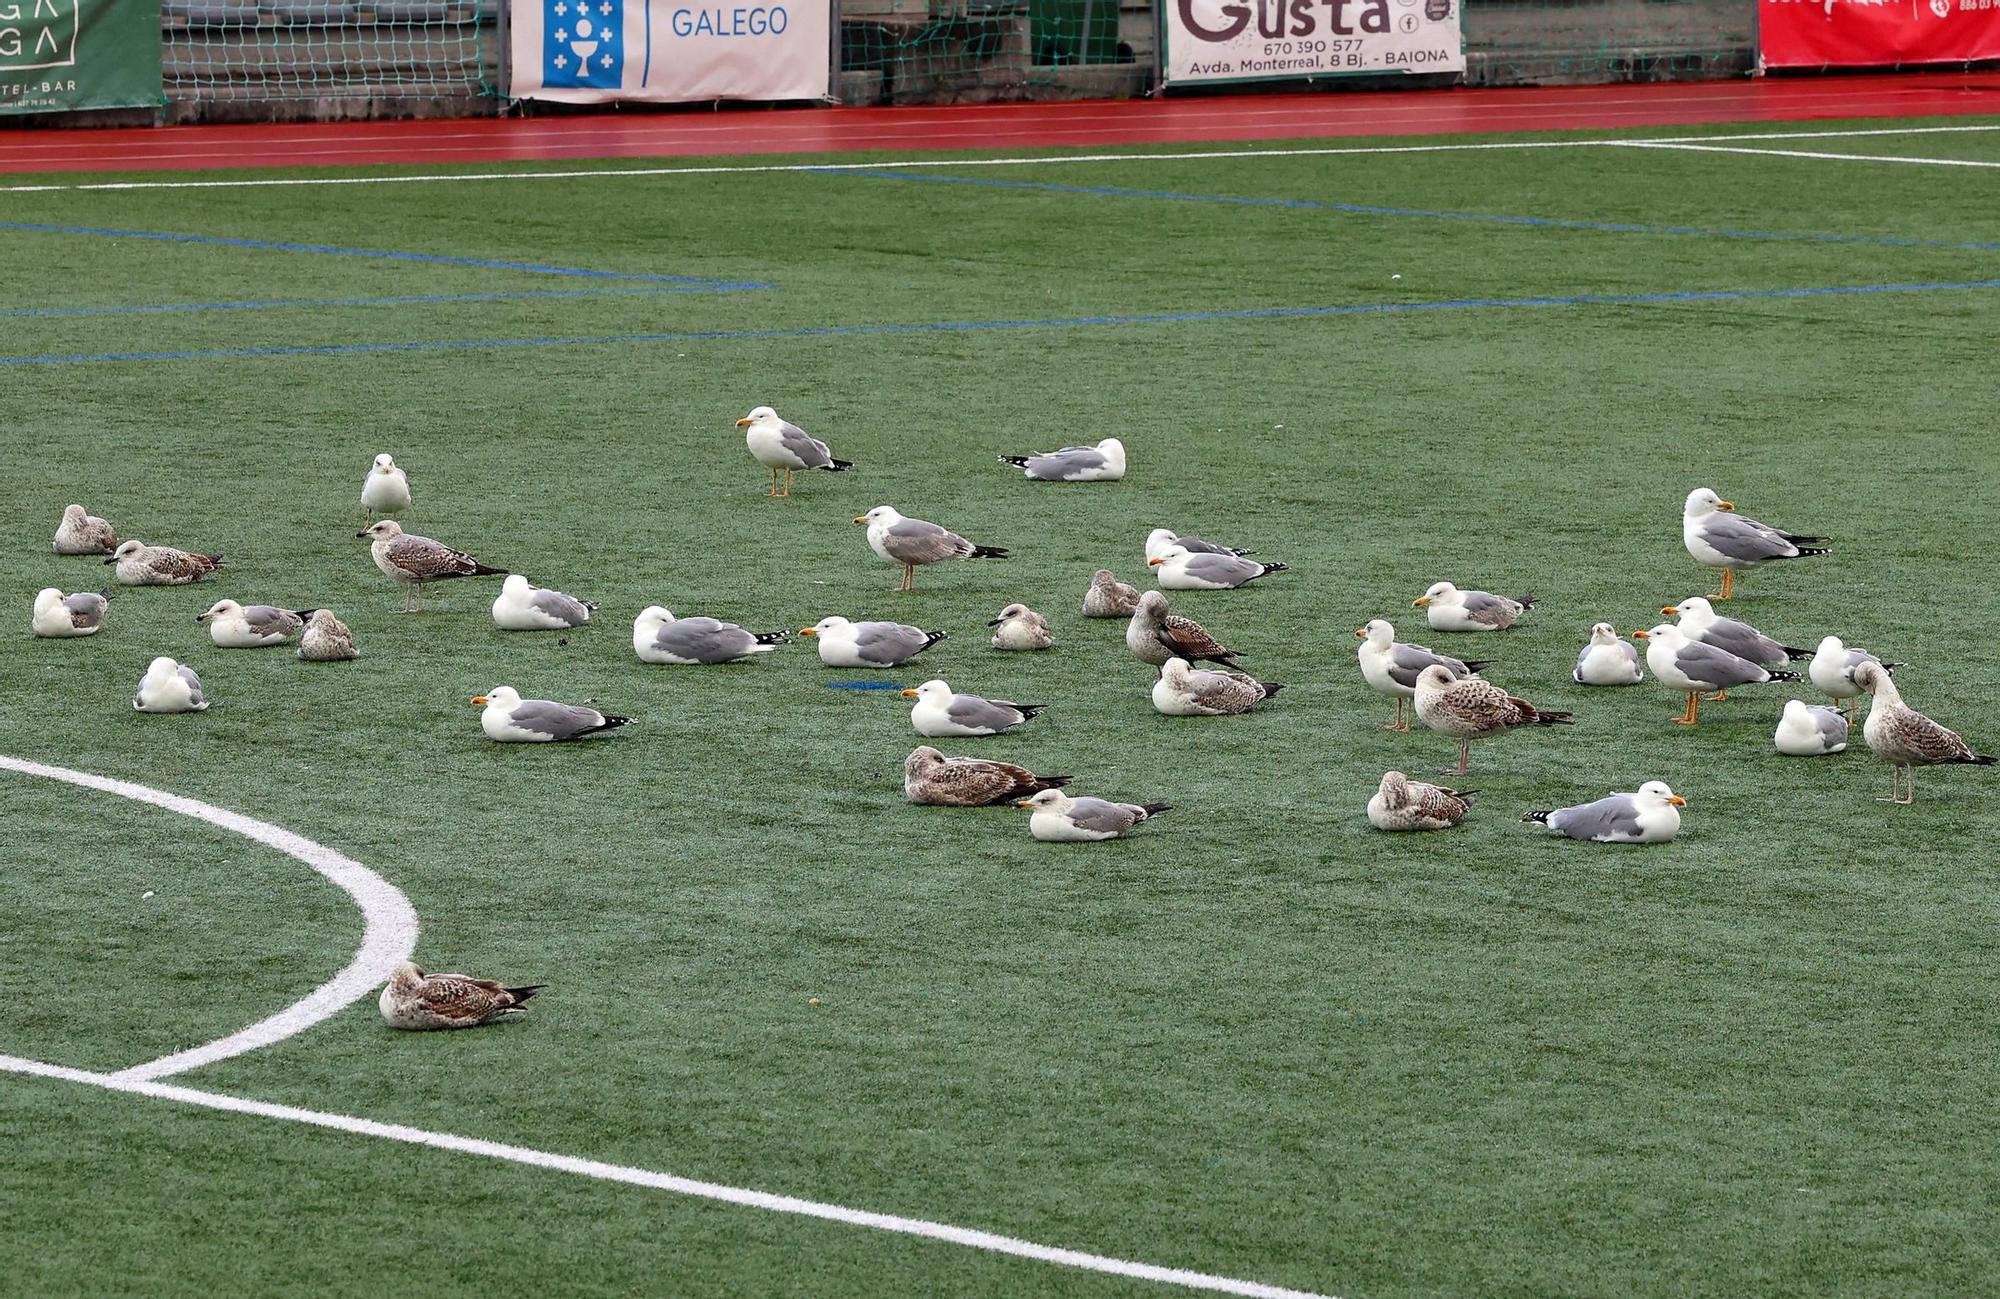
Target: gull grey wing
<point x="705" y="640"/>
<point x="1717" y="666"/>
<point x="1101" y="816"/>
<point x="1606" y="820"/>
<point x="810" y="451"/>
<point x="561" y="721"/>
<point x="1066" y="463"/>
<point x="1407" y="663"/>
<point x="887" y="643"/>
<point x="1483" y="606"/>
<point x="193" y="684"/>
<point x="1855" y="658"/>
<point x="566" y="609"/>
<point x="1225" y="692"/>
<point x="86" y="608"/>
<point x="1230" y="570"/>
<point x="971" y="710"/>
<point x="1196" y="546"/>
<point x="268" y="620"/>
<point x="1581" y="655"/>
<point x="1744" y="540"/>
<point x="913" y="541"/>
<point x="1832" y="726"/>
<point x="1742" y="640"/>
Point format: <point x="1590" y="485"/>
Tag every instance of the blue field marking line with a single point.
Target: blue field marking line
<point x="1429" y="214"/>
<point x="978" y="326"/>
<point x="330" y="250"/>
<point x="414" y="299"/>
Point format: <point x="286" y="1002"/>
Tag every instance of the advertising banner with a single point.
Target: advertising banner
<point x="670" y="51"/>
<point x="63" y="54"/>
<point x="1243" y="40"/>
<point x="1865" y="33"/>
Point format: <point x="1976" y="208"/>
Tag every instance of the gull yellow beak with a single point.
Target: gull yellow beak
<point x="1420" y="602"/>
<point x="1154" y="563"/>
<point x="1021" y="802"/>
<point x="909" y="694"/>
<point x="1725" y="505"/>
<point x="808" y="631"/>
<point x="1670" y="608"/>
<point x="744" y="422"/>
<point x="1361" y="632"/>
<point x="1677" y="800"/>
<point x="1642" y="635"/>
<point x="479" y="699"/>
<point x="861" y="518"/>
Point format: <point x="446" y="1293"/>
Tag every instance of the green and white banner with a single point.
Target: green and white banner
<point x="63" y="54"/>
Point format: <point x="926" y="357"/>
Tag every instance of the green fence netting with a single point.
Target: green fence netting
<point x="277" y="50"/>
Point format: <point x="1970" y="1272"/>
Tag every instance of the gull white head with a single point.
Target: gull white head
<point x="1436" y="677"/>
<point x="515" y="585"/>
<point x="1158" y="540"/>
<point x="1047" y="800"/>
<point x="498" y="697"/>
<point x="761" y="415"/>
<point x="1113" y="452"/>
<point x="1170" y="553"/>
<point x="384" y="463"/>
<point x="220" y="609"/>
<point x="826" y="626"/>
<point x="126" y="551"/>
<point x="1831" y="645"/>
<point x="382" y="530"/>
<point x="1437" y="591"/>
<point x="930" y="692"/>
<point x="1175" y="672"/>
<point x="163" y="666"/>
<point x="654" y="615"/>
<point x="1703" y="501"/>
<point x="1695" y="612"/>
<point x="1798" y="712"/>
<point x="1656" y="792"/>
<point x="882" y="516"/>
<point x="1378" y="633"/>
<point x="1603" y="633"/>
<point x="46" y="599"/>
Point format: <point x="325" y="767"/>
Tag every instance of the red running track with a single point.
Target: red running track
<point x="999" y="126"/>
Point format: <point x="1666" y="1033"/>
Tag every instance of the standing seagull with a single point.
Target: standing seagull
<point x="326" y="639"/>
<point x="510" y="719"/>
<point x="1392" y="667"/>
<point x="1833" y="667"/>
<point x="408" y="557"/>
<point x="1103" y="463"/>
<point x="1058" y="818"/>
<point x="521" y="606"/>
<point x="1473" y="709"/>
<point x="169" y="687"/>
<point x="1404" y="804"/>
<point x="59" y="615"/>
<point x="80" y="533"/>
<point x="1730" y="541"/>
<point x="413" y="999"/>
<point x="777" y="444"/>
<point x="1108" y="597"/>
<point x="1651" y="815"/>
<point x="1906" y="737"/>
<point x="1681" y="664"/>
<point x="386" y="489"/>
<point x="911" y="542"/>
<point x="1450" y="609"/>
<point x="1700" y="622"/>
<point x="142" y="565"/>
<point x="1154" y="636"/>
<point x="1606" y="660"/>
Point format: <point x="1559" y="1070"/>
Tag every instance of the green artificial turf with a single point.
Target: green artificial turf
<point x="1256" y="1039"/>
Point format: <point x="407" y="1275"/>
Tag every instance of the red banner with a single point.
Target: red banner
<point x="1874" y="33"/>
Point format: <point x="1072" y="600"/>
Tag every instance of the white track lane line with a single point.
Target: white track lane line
<point x="966" y="1236"/>
<point x="389" y="922"/>
<point x="614" y="173"/>
<point x="1806" y="153"/>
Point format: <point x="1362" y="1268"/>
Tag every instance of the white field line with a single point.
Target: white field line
<point x="966" y="1236"/>
<point x="1806" y="153"/>
<point x="389" y="922"/>
<point x="613" y="173"/>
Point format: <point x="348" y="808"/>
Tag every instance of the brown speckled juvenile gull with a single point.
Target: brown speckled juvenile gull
<point x="1404" y="804"/>
<point x="1907" y="738"/>
<point x="1108" y="597"/>
<point x="931" y="778"/>
<point x="142" y="565"/>
<point x="413" y="999"/>
<point x="1155" y="635"/>
<point x="1020" y="628"/>
<point x="1472" y="709"/>
<point x="80" y="533"/>
<point x="1185" y="691"/>
<point x="327" y="639"/>
<point x="408" y="557"/>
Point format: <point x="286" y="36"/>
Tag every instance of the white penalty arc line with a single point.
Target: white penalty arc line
<point x="966" y="1236"/>
<point x="1197" y="155"/>
<point x="389" y="923"/>
<point x="1807" y="153"/>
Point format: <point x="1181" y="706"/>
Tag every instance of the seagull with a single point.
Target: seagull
<point x="1020" y="628"/>
<point x="941" y="712"/>
<point x="659" y="637"/>
<point x="931" y="778"/>
<point x="413" y="999"/>
<point x="169" y="687"/>
<point x="408" y="557"/>
<point x="1159" y="539"/>
<point x="1108" y="597"/>
<point x="1607" y="660"/>
<point x="142" y="565"/>
<point x="521" y="607"/>
<point x="1103" y="463"/>
<point x="1182" y="691"/>
<point x="1700" y="622"/>
<point x="1392" y="667"/>
<point x="779" y="445"/>
<point x="1450" y="609"/>
<point x="58" y="615"/>
<point x="1058" y="818"/>
<point x="1471" y="709"/>
<point x="386" y="489"/>
<point x="1809" y="730"/>
<point x="1154" y="636"/>
<point x="252" y="626"/>
<point x="1651" y="815"/>
<point x="326" y="639"/>
<point x="511" y="719"/>
<point x="1404" y="804"/>
<point x="84" y="534"/>
<point x="844" y="644"/>
<point x="1905" y="737"/>
<point x="911" y="542"/>
<point x="1681" y="664"/>
<point x="1833" y="667"/>
<point x="1730" y="541"/>
<point x="1182" y="569"/>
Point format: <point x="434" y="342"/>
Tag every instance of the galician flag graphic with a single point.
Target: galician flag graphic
<point x="581" y="42"/>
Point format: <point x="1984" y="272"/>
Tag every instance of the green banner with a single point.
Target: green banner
<point x="63" y="54"/>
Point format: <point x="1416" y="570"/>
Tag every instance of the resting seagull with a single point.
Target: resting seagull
<point x="780" y="445"/>
<point x="1182" y="691"/>
<point x="1606" y="660"/>
<point x="408" y="557"/>
<point x="82" y="533"/>
<point x="523" y="607"/>
<point x="1020" y="628"/>
<point x="1404" y="804"/>
<point x="386" y="489"/>
<point x="659" y="637"/>
<point x="510" y="719"/>
<point x="939" y="711"/>
<point x="1833" y="667"/>
<point x="1450" y="609"/>
<point x="142" y="565"/>
<point x="932" y="779"/>
<point x="58" y="615"/>
<point x="1181" y="569"/>
<point x="1103" y="463"/>
<point x="1651" y="815"/>
<point x="1154" y="636"/>
<point x="252" y="626"/>
<point x="1809" y="730"/>
<point x="1907" y="738"/>
<point x="1681" y="664"/>
<point x="169" y="687"/>
<point x="326" y="639"/>
<point x="1391" y="667"/>
<point x="844" y="644"/>
<point x="1108" y="597"/>
<point x="1472" y="709"/>
<point x="1159" y="539"/>
<point x="1719" y="539"/>
<point x="1058" y="818"/>
<point x="413" y="999"/>
<point x="911" y="542"/>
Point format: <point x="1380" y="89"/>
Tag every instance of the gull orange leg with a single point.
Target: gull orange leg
<point x="1693" y="713"/>
<point x="909" y="582"/>
<point x="1728" y="585"/>
<point x="1718" y="697"/>
<point x="787" y="491"/>
<point x="774" y="482"/>
<point x="1399" y="724"/>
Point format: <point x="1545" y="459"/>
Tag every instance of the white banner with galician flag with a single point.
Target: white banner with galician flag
<point x="1245" y="40"/>
<point x="670" y="51"/>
